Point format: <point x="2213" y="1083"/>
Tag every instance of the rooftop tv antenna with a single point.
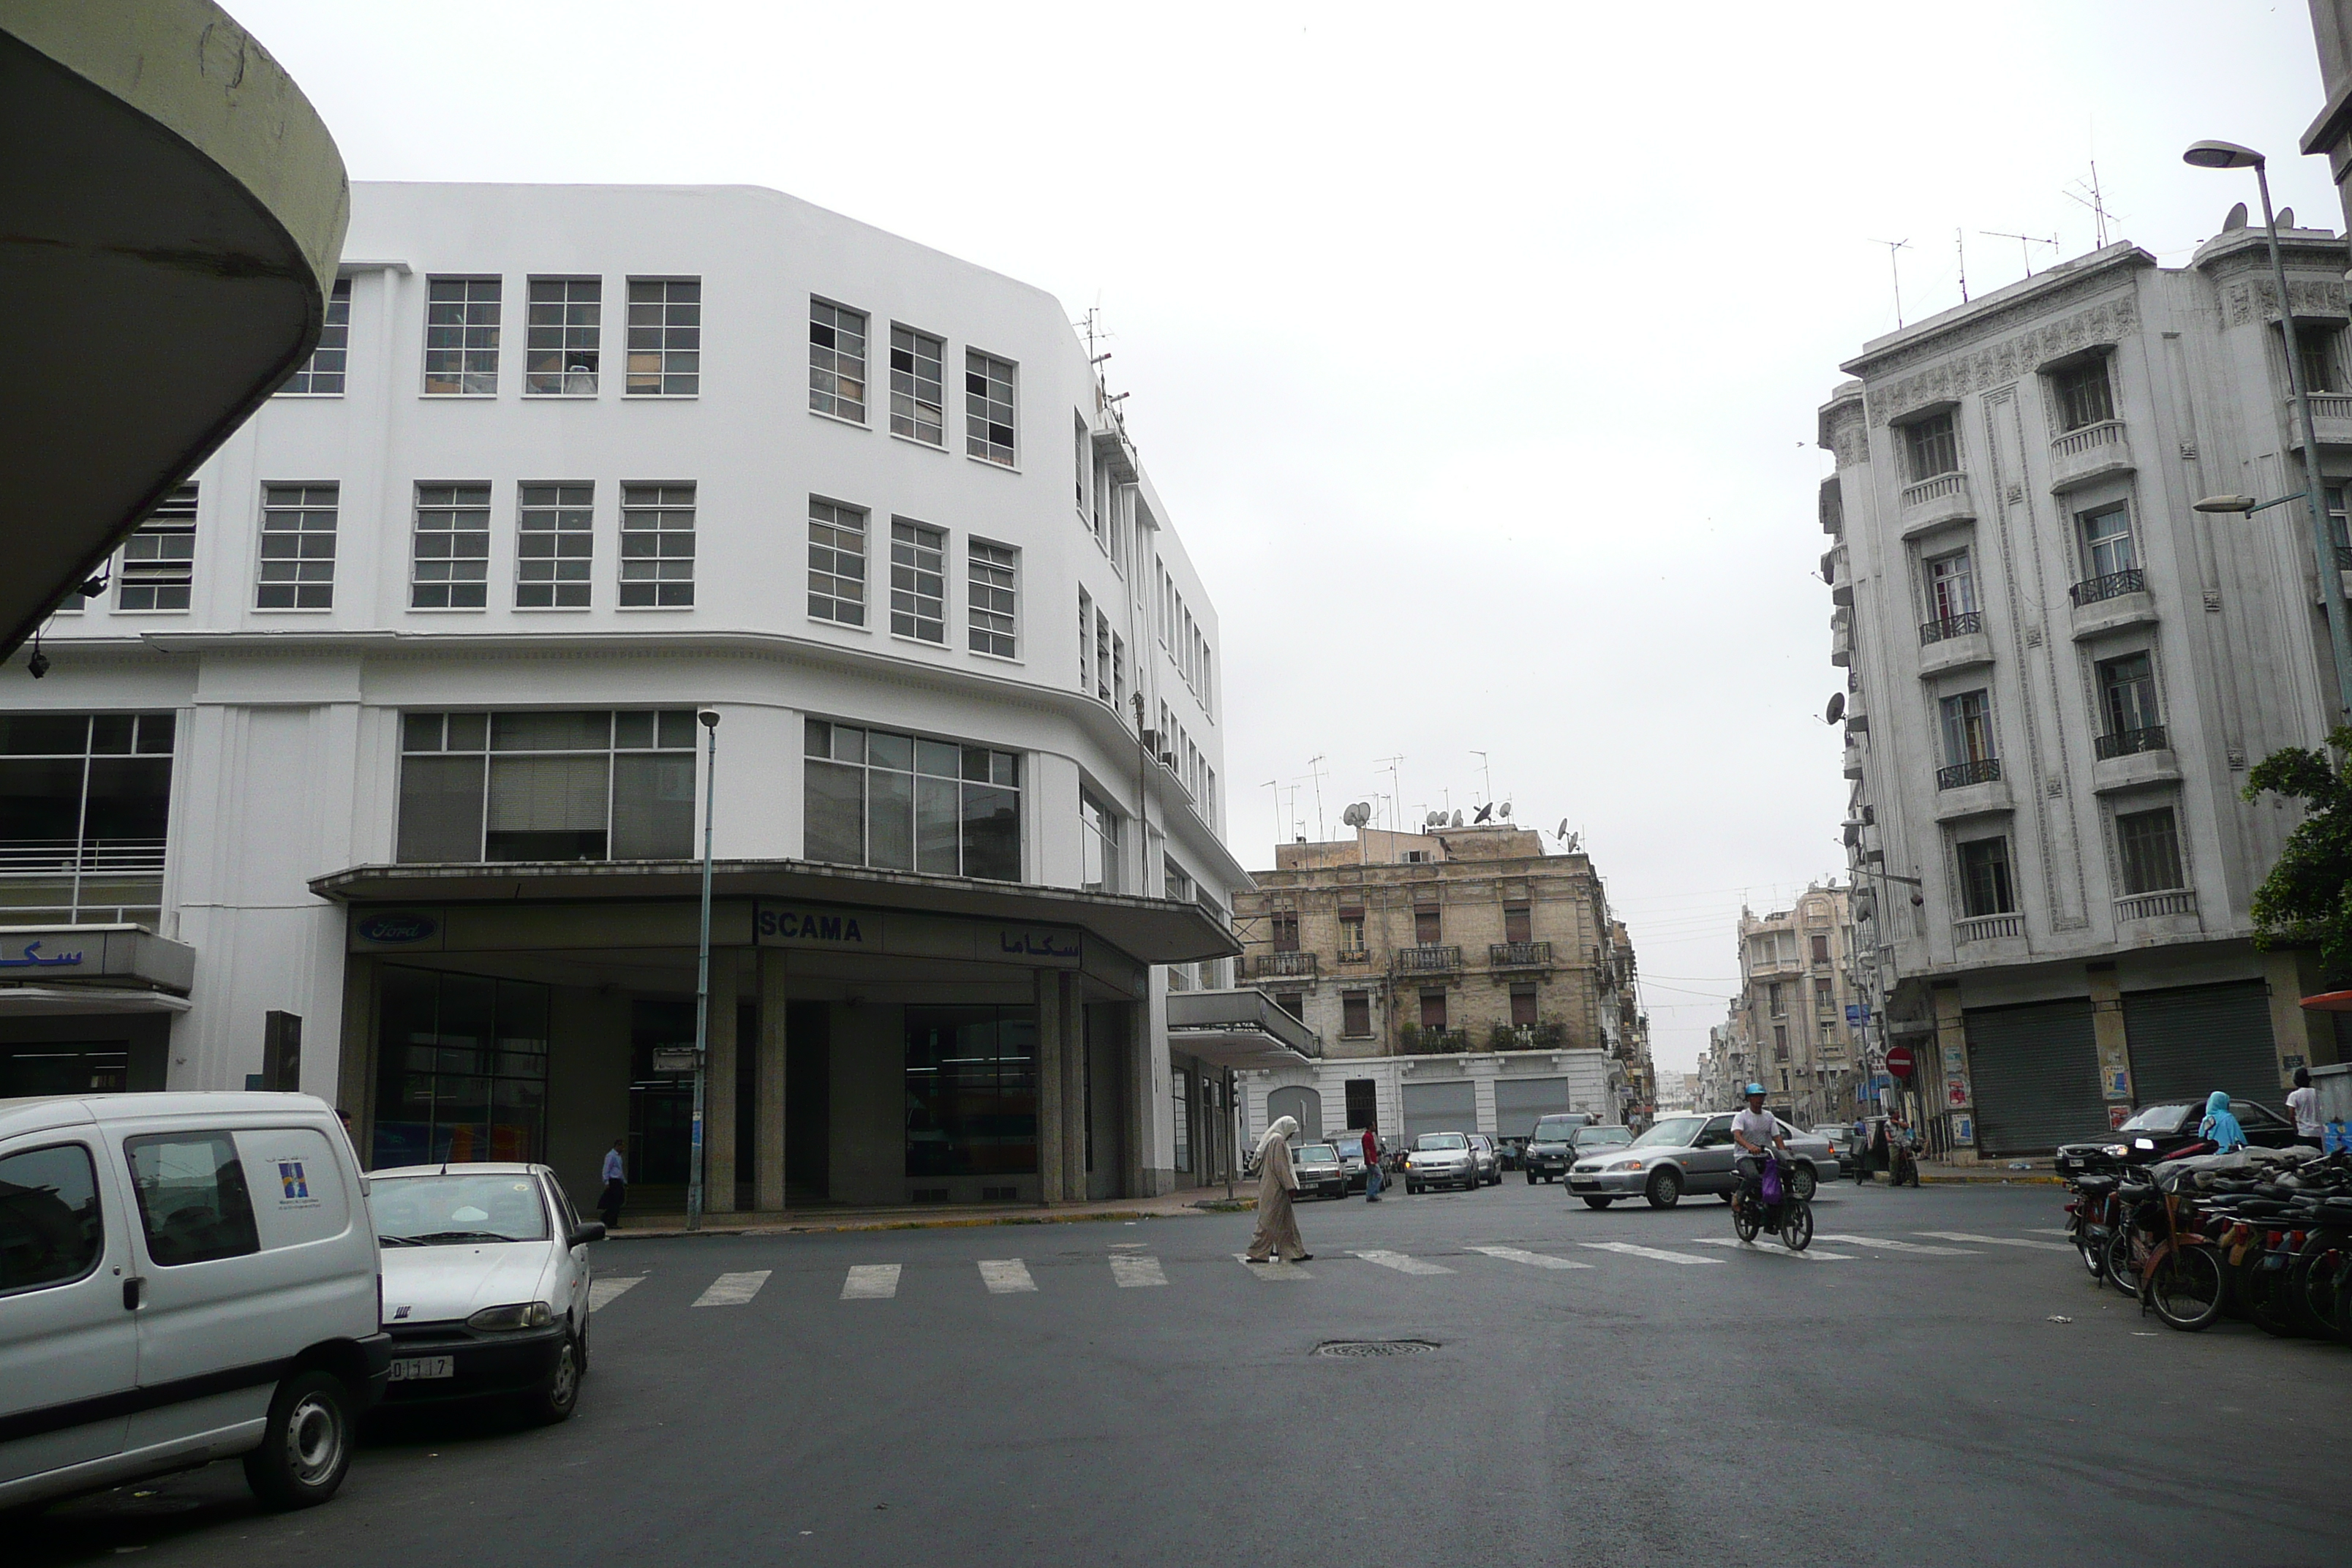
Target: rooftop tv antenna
<point x="2024" y="244"/>
<point x="1960" y="244"/>
<point x="2086" y="194"/>
<point x="1388" y="766"/>
<point x="1315" y="771"/>
<point x="1892" y="246"/>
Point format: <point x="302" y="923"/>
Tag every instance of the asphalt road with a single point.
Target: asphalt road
<point x="1680" y="1403"/>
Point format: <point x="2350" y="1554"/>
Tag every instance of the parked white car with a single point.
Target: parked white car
<point x="183" y="1278"/>
<point x="485" y="1285"/>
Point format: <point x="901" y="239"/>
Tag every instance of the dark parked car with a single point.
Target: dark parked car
<point x="1548" y="1157"/>
<point x="2157" y="1131"/>
<point x="1318" y="1170"/>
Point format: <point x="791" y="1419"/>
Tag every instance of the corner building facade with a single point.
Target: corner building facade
<point x="2058" y="674"/>
<point x="384" y="728"/>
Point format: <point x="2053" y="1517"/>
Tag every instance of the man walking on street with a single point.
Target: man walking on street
<point x="1372" y="1166"/>
<point x="616" y="1186"/>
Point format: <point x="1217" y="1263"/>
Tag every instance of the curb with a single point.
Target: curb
<point x="955" y="1222"/>
<point x="2020" y="1179"/>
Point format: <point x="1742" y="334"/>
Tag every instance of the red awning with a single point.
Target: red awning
<point x="2330" y="1001"/>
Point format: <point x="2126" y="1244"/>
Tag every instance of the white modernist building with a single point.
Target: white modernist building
<point x="373" y="767"/>
<point x="2059" y="674"/>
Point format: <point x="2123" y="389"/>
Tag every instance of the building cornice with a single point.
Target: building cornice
<point x="2002" y="310"/>
<point x="2000" y="363"/>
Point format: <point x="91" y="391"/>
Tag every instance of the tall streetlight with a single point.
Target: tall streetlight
<point x="703" y="982"/>
<point x="2229" y="155"/>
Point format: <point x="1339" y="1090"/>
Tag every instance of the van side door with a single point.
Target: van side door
<point x="68" y="1349"/>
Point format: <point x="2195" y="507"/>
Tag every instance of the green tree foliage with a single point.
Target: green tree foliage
<point x="2306" y="900"/>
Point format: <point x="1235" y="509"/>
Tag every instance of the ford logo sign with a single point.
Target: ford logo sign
<point x="398" y="927"/>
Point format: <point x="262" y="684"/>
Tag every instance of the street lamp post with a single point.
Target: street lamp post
<point x="703" y="982"/>
<point x="2229" y="155"/>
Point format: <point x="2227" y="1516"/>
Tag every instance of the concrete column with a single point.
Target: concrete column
<point x="2107" y="1033"/>
<point x="1145" y="1089"/>
<point x="767" y="1115"/>
<point x="719" y="1097"/>
<point x="1053" y="1052"/>
<point x="1074" y="1088"/>
<point x="2302" y="1039"/>
<point x="1951" y="1049"/>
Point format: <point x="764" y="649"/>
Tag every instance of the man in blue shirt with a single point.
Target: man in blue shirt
<point x="616" y="1186"/>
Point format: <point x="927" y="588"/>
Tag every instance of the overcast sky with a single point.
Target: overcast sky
<point x="1477" y="349"/>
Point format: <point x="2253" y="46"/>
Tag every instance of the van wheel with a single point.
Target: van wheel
<point x="306" y="1444"/>
<point x="555" y="1399"/>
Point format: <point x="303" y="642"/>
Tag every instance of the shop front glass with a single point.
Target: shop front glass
<point x="461" y="1069"/>
<point x="972" y="1091"/>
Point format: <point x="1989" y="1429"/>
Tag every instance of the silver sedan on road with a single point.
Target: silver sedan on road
<point x="1689" y="1154"/>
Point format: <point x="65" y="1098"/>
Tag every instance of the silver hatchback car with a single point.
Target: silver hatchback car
<point x="1689" y="1154"/>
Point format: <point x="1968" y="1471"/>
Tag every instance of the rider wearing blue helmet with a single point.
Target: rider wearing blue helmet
<point x="1755" y="1131"/>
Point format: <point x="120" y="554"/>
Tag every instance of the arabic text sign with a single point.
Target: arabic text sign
<point x="32" y="954"/>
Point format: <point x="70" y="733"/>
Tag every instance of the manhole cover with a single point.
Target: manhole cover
<point x="1362" y="1348"/>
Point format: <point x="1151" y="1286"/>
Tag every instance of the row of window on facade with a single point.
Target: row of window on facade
<point x="2125" y="689"/>
<point x="555" y="557"/>
<point x="2081" y="395"/>
<point x="1777" y="948"/>
<point x="1428" y="927"/>
<point x="2147" y="858"/>
<point x="564" y="336"/>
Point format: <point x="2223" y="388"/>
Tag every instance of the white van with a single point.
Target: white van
<point x="183" y="1277"/>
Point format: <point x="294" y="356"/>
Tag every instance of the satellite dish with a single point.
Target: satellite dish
<point x="2286" y="218"/>
<point x="1435" y="819"/>
<point x="1357" y="815"/>
<point x="1836" y="710"/>
<point x="1457" y="820"/>
<point x="1561" y="831"/>
<point x="1575" y="842"/>
<point x="1485" y="813"/>
<point x="2237" y="218"/>
<point x="1506" y="810"/>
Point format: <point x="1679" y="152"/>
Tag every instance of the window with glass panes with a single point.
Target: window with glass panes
<point x="461" y="337"/>
<point x="2128" y="693"/>
<point x="972" y="1091"/>
<point x="1985" y="887"/>
<point x="837" y="590"/>
<point x="987" y="387"/>
<point x="555" y="545"/>
<point x="537" y="786"/>
<point x="1967" y="728"/>
<point x="2147" y="843"/>
<point x="2084" y="397"/>
<point x="918" y="396"/>
<point x="85" y="805"/>
<point x="159" y="561"/>
<point x="836" y="360"/>
<point x="906" y="803"/>
<point x="918" y="582"/>
<point x="2107" y="542"/>
<point x="297" y="548"/>
<point x="665" y="337"/>
<point x="2338" y="529"/>
<point x="1951" y="586"/>
<point x="321" y="375"/>
<point x="994" y="575"/>
<point x="1931" y="447"/>
<point x="1099" y="869"/>
<point x="2322" y="349"/>
<point x="449" y="567"/>
<point x="562" y="337"/>
<point x="658" y="545"/>
<point x="461" y="1068"/>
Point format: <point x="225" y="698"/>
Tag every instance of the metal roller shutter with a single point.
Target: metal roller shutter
<point x="1518" y="1101"/>
<point x="2188" y="1041"/>
<point x="1440" y="1108"/>
<point x="1303" y="1105"/>
<point x="2035" y="1072"/>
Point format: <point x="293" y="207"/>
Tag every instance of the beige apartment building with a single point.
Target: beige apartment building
<point x="1484" y="977"/>
<point x="1792" y="1019"/>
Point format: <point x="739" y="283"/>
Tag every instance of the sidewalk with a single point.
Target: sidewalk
<point x="928" y="1217"/>
<point x="2028" y="1172"/>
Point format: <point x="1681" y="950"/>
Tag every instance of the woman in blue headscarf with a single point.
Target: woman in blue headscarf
<point x="2219" y="1125"/>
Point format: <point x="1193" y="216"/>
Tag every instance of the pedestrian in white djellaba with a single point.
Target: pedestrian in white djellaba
<point x="1277" y="1225"/>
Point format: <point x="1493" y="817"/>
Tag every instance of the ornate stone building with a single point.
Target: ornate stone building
<point x="1790" y="1015"/>
<point x="2057" y="673"/>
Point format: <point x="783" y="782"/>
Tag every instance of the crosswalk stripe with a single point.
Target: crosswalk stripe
<point x="1630" y="1250"/>
<point x="1809" y="1255"/>
<point x="2045" y="1230"/>
<point x="870" y="1282"/>
<point x="1995" y="1240"/>
<point x="1884" y="1244"/>
<point x="603" y="1293"/>
<point x="1534" y="1260"/>
<point x="733" y="1290"/>
<point x="1401" y="1263"/>
<point x="1274" y="1269"/>
<point x="1005" y="1276"/>
<point x="1134" y="1272"/>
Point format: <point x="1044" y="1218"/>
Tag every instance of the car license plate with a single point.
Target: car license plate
<point x="416" y="1368"/>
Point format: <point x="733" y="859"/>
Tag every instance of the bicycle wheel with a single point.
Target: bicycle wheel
<point x="2264" y="1291"/>
<point x="2185" y="1288"/>
<point x="1745" y="1219"/>
<point x="2088" y="1249"/>
<point x="2115" y="1259"/>
<point x="1797" y="1224"/>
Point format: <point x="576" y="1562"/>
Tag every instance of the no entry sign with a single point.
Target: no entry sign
<point x="1898" y="1061"/>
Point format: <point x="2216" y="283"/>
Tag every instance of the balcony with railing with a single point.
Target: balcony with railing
<point x="2171" y="904"/>
<point x="1275" y="965"/>
<point x="2129" y="743"/>
<point x="2331" y="419"/>
<point x="1943" y="498"/>
<point x="1959" y="775"/>
<point x="2113" y="585"/>
<point x="1429" y="959"/>
<point x="1518" y="955"/>
<point x="82" y="881"/>
<point x="1987" y="928"/>
<point x="2081" y="456"/>
<point x="1950" y="626"/>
